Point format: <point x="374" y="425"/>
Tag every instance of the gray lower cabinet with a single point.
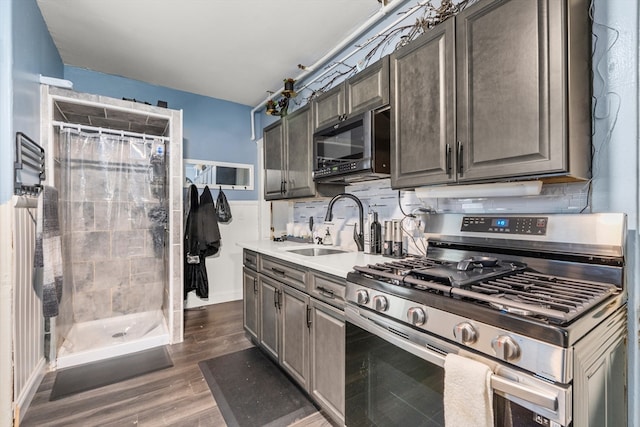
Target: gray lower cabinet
<point x="599" y="375"/>
<point x="294" y="354"/>
<point x="327" y="364"/>
<point x="251" y="300"/>
<point x="288" y="157"/>
<point x="499" y="92"/>
<point x="270" y="291"/>
<point x="296" y="316"/>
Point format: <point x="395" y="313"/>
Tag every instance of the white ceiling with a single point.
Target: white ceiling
<point x="226" y="49"/>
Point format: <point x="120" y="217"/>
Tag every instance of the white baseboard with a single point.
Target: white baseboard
<point x="215" y="298"/>
<point x="23" y="401"/>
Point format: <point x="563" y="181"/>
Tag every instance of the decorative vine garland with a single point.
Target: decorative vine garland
<point x="430" y="17"/>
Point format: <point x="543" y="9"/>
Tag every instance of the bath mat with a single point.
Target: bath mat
<point x="70" y="381"/>
<point x="252" y="391"/>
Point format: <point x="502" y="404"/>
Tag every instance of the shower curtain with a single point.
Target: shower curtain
<point x="114" y="215"/>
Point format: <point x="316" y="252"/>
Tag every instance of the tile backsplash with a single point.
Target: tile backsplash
<point x="378" y="196"/>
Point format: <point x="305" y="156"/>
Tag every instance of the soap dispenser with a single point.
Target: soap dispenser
<point x="327" y="239"/>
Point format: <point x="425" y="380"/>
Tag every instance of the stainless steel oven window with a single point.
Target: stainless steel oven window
<point x="387" y="385"/>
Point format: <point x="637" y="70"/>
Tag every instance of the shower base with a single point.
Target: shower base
<point x="104" y="338"/>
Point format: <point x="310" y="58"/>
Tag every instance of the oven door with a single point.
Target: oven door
<point x="395" y="376"/>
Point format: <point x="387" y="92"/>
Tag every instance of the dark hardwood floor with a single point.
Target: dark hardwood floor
<point x="178" y="396"/>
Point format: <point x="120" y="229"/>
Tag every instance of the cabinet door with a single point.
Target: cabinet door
<point x="510" y="88"/>
<point x="269" y="315"/>
<point x="251" y="300"/>
<point x="369" y="88"/>
<point x="328" y="107"/>
<point x="299" y="154"/>
<point x="274" y="161"/>
<point x="328" y="358"/>
<point x="422" y="104"/>
<point x="294" y="355"/>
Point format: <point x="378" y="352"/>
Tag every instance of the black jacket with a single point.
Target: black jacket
<point x="201" y="239"/>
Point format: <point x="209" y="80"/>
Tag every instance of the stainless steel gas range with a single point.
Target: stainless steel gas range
<point x="539" y="299"/>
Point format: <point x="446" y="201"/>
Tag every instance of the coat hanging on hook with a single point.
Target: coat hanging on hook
<point x="201" y="240"/>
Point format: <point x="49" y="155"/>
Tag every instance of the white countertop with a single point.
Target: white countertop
<point x="335" y="264"/>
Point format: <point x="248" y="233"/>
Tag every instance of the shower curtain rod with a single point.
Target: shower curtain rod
<point x="79" y="127"/>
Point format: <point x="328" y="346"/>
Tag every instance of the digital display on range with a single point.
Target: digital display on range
<point x="500" y="222"/>
<point x="505" y="225"/>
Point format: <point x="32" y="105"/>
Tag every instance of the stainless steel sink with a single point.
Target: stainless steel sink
<point x="316" y="251"/>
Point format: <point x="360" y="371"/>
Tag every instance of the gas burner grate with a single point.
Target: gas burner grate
<point x="522" y="292"/>
<point x="400" y="267"/>
<point x="560" y="294"/>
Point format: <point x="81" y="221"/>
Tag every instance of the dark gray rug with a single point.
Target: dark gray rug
<point x="86" y="377"/>
<point x="252" y="391"/>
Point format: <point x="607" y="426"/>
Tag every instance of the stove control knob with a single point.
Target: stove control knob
<point x="465" y="333"/>
<point x="380" y="303"/>
<point x="416" y="316"/>
<point x="506" y="348"/>
<point x="362" y="297"/>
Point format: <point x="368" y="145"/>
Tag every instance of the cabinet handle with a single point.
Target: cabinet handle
<point x="275" y="298"/>
<point x="280" y="299"/>
<point x="448" y="159"/>
<point x="460" y="166"/>
<point x="278" y="271"/>
<point x="284" y="186"/>
<point x="309" y="317"/>
<point x="255" y="286"/>
<point x="326" y="292"/>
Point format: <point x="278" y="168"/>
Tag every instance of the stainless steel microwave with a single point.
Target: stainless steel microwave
<point x="354" y="149"/>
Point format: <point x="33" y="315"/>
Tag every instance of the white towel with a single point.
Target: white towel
<point x="468" y="397"/>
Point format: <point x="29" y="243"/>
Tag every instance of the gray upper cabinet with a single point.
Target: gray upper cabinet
<point x="423" y="109"/>
<point x="367" y="90"/>
<point x="288" y="157"/>
<point x="522" y="97"/>
<point x="329" y="107"/>
<point x="274" y="161"/>
<point x="299" y="158"/>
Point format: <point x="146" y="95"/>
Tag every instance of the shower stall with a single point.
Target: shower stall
<point x="117" y="167"/>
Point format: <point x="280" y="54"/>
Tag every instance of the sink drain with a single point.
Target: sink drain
<point x="118" y="335"/>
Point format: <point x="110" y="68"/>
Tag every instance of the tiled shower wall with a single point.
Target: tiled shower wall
<point x="392" y="204"/>
<point x="110" y="223"/>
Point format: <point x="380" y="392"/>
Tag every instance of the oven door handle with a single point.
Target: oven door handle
<point x="413" y="343"/>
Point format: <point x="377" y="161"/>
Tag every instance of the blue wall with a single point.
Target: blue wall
<point x="6" y="96"/>
<point x="213" y="129"/>
<point x="27" y="51"/>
